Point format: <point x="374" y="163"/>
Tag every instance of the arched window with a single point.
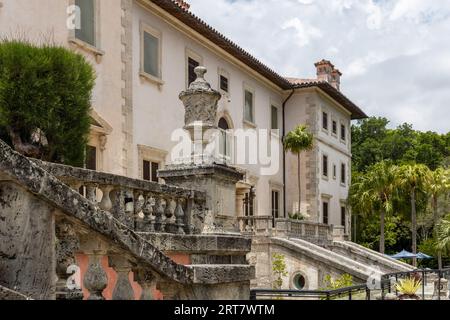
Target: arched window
<point x="225" y="139"/>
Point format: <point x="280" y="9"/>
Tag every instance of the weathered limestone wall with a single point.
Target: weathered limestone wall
<point x="27" y="250"/>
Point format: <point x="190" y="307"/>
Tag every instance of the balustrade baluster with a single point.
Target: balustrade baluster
<point x="168" y="213"/>
<point x="91" y="194"/>
<point x="106" y="203"/>
<point x="179" y="214"/>
<point x="139" y="210"/>
<point x="159" y="214"/>
<point x="95" y="279"/>
<point x="149" y="219"/>
<point x="123" y="289"/>
<point x="147" y="281"/>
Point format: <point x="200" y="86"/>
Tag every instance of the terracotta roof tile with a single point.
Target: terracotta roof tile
<point x="181" y="12"/>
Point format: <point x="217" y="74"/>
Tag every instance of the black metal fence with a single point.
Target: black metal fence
<point x="431" y="289"/>
<point x="431" y="286"/>
<point x="349" y="293"/>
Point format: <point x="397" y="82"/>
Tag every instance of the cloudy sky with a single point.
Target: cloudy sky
<point x="395" y="54"/>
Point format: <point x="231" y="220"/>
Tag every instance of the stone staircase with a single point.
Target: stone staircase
<point x="366" y="256"/>
<point x="341" y="263"/>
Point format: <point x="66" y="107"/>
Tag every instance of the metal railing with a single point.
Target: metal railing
<point x="430" y="282"/>
<point x="357" y="292"/>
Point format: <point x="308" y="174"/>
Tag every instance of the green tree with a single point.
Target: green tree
<point x="279" y="270"/>
<point x="443" y="235"/>
<point x="374" y="192"/>
<point x="45" y="98"/>
<point x="297" y="141"/>
<point x="414" y="179"/>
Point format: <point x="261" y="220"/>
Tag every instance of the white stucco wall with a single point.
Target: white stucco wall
<point x="158" y="111"/>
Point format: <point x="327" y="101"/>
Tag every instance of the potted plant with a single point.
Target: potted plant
<point x="407" y="288"/>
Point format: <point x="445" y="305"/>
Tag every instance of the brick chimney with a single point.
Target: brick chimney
<point x="336" y="79"/>
<point x="327" y="72"/>
<point x="182" y="4"/>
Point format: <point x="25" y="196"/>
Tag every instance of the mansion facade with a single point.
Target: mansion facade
<point x="144" y="53"/>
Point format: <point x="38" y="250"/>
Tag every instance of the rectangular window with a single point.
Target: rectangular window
<point x="192" y="64"/>
<point x="248" y="205"/>
<point x="224" y="83"/>
<point x="334" y="172"/>
<point x="274" y="111"/>
<point x="334" y="127"/>
<point x="325" y="121"/>
<point x="325" y="212"/>
<point x="151" y="54"/>
<point x="248" y="107"/>
<point x="344" y="218"/>
<point x="86" y="32"/>
<point x="275" y="204"/>
<point x="343" y="173"/>
<point x="150" y="171"/>
<point x="91" y="158"/>
<point x="343" y="132"/>
<point x="325" y="166"/>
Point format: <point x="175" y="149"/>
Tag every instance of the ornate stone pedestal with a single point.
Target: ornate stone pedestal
<point x="219" y="184"/>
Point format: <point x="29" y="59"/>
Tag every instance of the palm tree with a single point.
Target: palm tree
<point x="438" y="184"/>
<point x="413" y="179"/>
<point x="374" y="191"/>
<point x="297" y="141"/>
<point x="443" y="235"/>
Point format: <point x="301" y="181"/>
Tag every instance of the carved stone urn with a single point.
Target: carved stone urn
<point x="200" y="102"/>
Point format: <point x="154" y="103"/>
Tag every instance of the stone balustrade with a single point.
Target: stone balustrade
<point x="266" y="225"/>
<point x="50" y="226"/>
<point x="141" y="205"/>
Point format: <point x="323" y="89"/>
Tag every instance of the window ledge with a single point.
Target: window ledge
<point x="343" y="185"/>
<point x="325" y="178"/>
<point x="148" y="77"/>
<point x="88" y="47"/>
<point x="250" y="124"/>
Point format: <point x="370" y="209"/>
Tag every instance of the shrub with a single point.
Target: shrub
<point x="45" y="98"/>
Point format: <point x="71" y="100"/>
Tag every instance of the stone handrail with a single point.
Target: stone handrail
<point x="307" y="230"/>
<point x="255" y="224"/>
<point x="80" y="225"/>
<point x="141" y="205"/>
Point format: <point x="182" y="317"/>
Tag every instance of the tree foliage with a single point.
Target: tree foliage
<point x="373" y="142"/>
<point x="45" y="98"/>
<point x="420" y="183"/>
<point x="279" y="270"/>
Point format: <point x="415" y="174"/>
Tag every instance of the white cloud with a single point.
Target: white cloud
<point x="393" y="53"/>
<point x="304" y="32"/>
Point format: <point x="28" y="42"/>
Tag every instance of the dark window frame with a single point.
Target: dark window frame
<point x="325" y="212"/>
<point x="325" y="120"/>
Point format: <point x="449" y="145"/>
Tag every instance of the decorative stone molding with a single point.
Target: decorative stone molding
<point x="127" y="89"/>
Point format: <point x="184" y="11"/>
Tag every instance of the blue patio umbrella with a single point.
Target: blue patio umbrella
<point x="404" y="255"/>
<point x="423" y="256"/>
